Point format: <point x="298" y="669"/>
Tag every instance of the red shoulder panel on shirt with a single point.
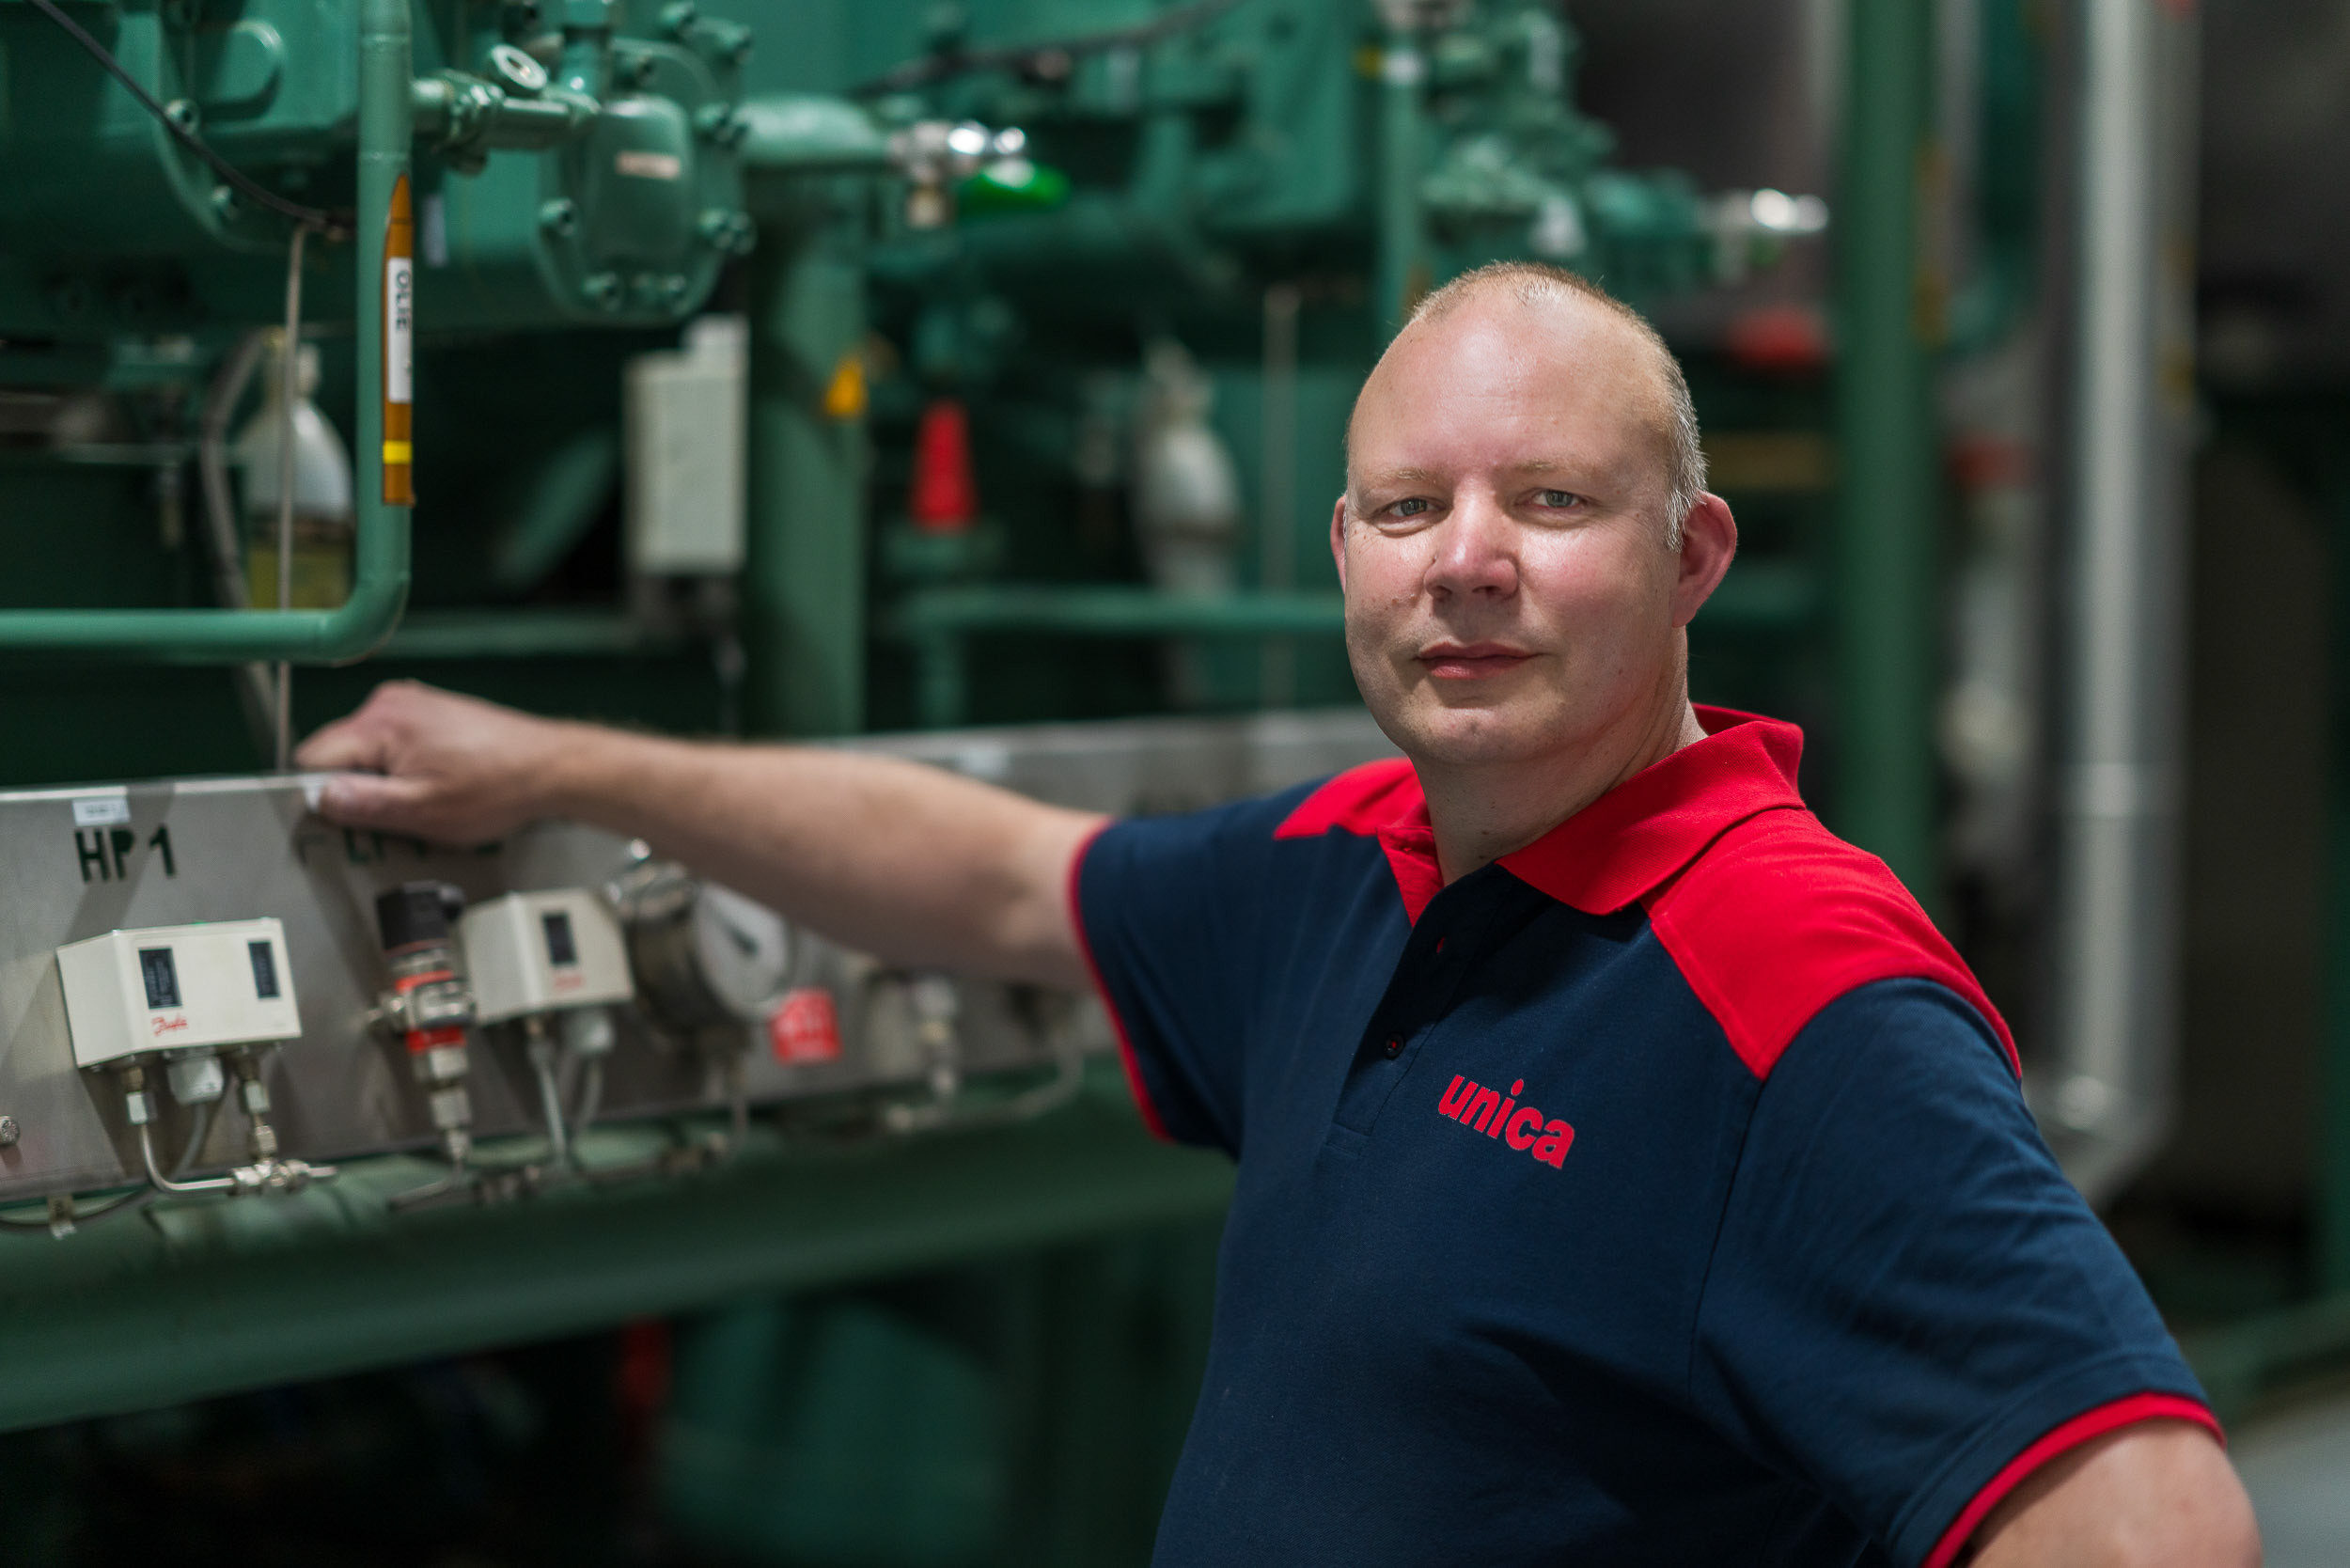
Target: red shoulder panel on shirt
<point x="1779" y="918"/>
<point x="1364" y="800"/>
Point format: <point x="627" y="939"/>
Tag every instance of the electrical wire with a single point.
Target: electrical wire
<point x="337" y="224"/>
<point x="590" y="1095"/>
<point x="200" y="1129"/>
<point x="290" y="393"/>
<point x="1029" y="57"/>
<point x="254" y="694"/>
<point x="127" y="1203"/>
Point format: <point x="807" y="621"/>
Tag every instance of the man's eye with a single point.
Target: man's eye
<point x="1411" y="508"/>
<point x="1556" y="497"/>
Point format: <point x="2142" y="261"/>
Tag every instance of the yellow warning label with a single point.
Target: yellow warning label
<point x="844" y="395"/>
<point x="396" y="451"/>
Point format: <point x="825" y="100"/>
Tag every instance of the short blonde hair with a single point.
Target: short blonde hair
<point x="1536" y="283"/>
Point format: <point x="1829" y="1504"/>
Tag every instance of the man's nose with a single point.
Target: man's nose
<point x="1476" y="552"/>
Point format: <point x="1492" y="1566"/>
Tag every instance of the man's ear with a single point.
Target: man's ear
<point x="1338" y="539"/>
<point x="1709" y="540"/>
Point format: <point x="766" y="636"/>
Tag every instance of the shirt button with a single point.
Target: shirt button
<point x="1394" y="1046"/>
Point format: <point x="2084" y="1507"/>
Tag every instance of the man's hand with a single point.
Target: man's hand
<point x="909" y="863"/>
<point x="455" y="769"/>
<point x="2158" y="1495"/>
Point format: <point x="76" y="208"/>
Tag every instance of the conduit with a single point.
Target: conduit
<point x="2104" y="1095"/>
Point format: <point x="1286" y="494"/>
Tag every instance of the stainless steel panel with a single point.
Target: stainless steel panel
<point x="218" y="849"/>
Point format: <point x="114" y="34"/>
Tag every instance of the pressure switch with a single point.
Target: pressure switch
<point x="544" y="952"/>
<point x="173" y="989"/>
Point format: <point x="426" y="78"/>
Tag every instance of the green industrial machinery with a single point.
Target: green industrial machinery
<point x="1039" y="321"/>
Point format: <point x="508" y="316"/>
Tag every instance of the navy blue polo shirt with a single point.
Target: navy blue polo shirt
<point x="1661" y="1193"/>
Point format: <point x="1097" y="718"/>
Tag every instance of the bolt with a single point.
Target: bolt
<point x="183" y="113"/>
<point x="603" y="289"/>
<point x="225" y="202"/>
<point x="9" y="1132"/>
<point x="558" y="217"/>
<point x="677" y="19"/>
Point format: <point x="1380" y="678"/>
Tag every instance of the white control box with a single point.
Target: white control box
<point x="685" y="414"/>
<point x="542" y="952"/>
<point x="174" y="988"/>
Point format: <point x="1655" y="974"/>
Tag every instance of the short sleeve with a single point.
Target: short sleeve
<point x="1167" y="908"/>
<point x="1908" y="1304"/>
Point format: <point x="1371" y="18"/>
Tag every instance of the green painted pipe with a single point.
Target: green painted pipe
<point x="379" y="587"/>
<point x="1884" y="600"/>
<point x="1404" y="274"/>
<point x="213" y="1295"/>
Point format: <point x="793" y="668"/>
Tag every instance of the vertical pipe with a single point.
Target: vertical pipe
<point x="1885" y="609"/>
<point x="2333" y="1084"/>
<point x="2120" y="747"/>
<point x="803" y="581"/>
<point x="383" y="500"/>
<point x="1403" y="274"/>
<point x="1277" y="492"/>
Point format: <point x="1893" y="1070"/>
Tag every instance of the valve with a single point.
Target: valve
<point x="936" y="155"/>
<point x="429" y="1006"/>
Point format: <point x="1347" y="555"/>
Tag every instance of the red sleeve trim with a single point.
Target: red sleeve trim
<point x="2071" y="1434"/>
<point x="1151" y="1117"/>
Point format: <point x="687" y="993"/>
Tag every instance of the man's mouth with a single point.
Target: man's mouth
<point x="1471" y="661"/>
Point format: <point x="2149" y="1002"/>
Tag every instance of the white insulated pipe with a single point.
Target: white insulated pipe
<point x="2105" y="1097"/>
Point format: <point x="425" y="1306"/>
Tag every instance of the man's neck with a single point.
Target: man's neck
<point x="1481" y="813"/>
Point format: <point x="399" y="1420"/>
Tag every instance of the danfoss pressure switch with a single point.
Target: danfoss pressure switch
<point x="178" y="988"/>
<point x="544" y="952"/>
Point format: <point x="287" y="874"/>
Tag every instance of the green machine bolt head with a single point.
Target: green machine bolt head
<point x="678" y="18"/>
<point x="558" y="217"/>
<point x="602" y="289"/>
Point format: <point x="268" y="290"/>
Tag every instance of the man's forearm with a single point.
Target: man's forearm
<point x="903" y="860"/>
<point x="907" y="862"/>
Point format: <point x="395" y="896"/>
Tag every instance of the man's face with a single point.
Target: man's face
<point x="1508" y="592"/>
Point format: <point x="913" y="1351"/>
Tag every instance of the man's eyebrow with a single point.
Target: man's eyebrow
<point x="1401" y="475"/>
<point x="1548" y="465"/>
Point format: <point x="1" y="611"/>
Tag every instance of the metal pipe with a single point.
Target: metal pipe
<point x="2106" y="1099"/>
<point x="379" y="589"/>
<point x="1277" y="491"/>
<point x="210" y="1298"/>
<point x="1403" y="275"/>
<point x="1883" y="592"/>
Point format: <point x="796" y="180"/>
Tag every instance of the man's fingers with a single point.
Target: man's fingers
<point x="364" y="800"/>
<point x="344" y="744"/>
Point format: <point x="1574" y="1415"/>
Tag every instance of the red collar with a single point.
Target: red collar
<point x="1625" y="845"/>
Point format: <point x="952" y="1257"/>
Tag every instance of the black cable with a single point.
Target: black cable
<point x="1027" y="56"/>
<point x="136" y="1199"/>
<point x="335" y="224"/>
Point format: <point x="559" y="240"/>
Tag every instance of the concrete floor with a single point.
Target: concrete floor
<point x="2296" y="1465"/>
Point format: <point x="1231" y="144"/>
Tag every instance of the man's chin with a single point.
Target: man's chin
<point x="1465" y="736"/>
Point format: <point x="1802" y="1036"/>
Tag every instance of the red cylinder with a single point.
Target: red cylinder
<point x="944" y="498"/>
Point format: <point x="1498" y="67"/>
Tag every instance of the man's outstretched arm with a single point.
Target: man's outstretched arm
<point x="908" y="862"/>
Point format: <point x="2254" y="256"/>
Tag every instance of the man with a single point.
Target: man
<point x="1628" y="1173"/>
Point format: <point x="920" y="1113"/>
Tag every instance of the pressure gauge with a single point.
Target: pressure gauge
<point x="704" y="954"/>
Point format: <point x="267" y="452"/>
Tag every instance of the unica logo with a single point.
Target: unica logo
<point x="1522" y="1127"/>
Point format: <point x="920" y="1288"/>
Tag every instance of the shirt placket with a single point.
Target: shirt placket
<point x="1452" y="935"/>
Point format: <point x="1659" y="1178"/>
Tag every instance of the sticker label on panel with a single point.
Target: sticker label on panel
<point x="804" y="1027"/>
<point x="101" y="810"/>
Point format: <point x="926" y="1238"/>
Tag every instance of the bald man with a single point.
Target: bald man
<point x="1628" y="1171"/>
